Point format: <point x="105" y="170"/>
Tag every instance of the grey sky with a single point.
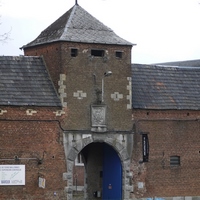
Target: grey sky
<point x="164" y="30"/>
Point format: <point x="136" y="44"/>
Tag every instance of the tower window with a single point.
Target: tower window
<point x="174" y="160"/>
<point x="97" y="53"/>
<point x="74" y="52"/>
<point x="118" y="54"/>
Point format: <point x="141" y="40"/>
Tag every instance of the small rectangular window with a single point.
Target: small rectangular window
<point x="74" y="52"/>
<point x="174" y="160"/>
<point x="118" y="54"/>
<point x="97" y="53"/>
<point x="145" y="147"/>
<point x="78" y="160"/>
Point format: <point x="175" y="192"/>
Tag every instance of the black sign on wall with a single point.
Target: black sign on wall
<point x="145" y="147"/>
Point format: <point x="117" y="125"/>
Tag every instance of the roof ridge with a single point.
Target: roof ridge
<point x="69" y="21"/>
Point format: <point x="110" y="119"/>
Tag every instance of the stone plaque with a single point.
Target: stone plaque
<point x="98" y="118"/>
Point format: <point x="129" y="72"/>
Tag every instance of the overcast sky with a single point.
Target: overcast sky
<point x="164" y="30"/>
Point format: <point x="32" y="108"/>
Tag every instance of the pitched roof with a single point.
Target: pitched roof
<point x="186" y="63"/>
<point x="77" y="25"/>
<point x="158" y="87"/>
<point x="24" y="80"/>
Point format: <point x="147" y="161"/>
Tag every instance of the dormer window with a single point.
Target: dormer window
<point x="97" y="53"/>
<point x="118" y="54"/>
<point x="74" y="52"/>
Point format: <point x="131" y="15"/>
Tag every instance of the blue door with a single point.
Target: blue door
<point x="112" y="174"/>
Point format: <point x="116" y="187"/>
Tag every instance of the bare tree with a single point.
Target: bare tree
<point x="4" y="37"/>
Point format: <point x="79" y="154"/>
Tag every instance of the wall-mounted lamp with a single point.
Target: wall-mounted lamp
<point x="107" y="73"/>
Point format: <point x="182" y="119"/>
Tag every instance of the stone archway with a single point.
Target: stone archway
<point x="121" y="143"/>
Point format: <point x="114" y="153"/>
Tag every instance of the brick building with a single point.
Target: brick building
<point x="75" y="98"/>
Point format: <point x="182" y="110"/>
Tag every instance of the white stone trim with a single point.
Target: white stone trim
<point x="2" y="111"/>
<point x="61" y="89"/>
<point x="116" y="96"/>
<point x="129" y="96"/>
<point x="59" y="112"/>
<point x="80" y="94"/>
<point x="30" y="112"/>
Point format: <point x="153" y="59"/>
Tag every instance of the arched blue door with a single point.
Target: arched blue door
<point x="112" y="174"/>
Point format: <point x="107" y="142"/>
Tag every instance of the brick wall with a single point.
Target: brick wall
<point x="52" y="57"/>
<point x="78" y="176"/>
<point x="171" y="133"/>
<point x="33" y="137"/>
<point x="84" y="75"/>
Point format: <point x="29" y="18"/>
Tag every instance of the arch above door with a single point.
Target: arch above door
<point x="121" y="143"/>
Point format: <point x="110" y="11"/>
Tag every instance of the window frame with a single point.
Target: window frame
<point x="119" y="54"/>
<point x="74" y="52"/>
<point x="97" y="53"/>
<point x="79" y="160"/>
<point x="175" y="161"/>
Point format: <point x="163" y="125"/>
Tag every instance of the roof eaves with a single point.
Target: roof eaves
<point x="79" y="41"/>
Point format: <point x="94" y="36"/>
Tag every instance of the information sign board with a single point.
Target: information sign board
<point x="12" y="174"/>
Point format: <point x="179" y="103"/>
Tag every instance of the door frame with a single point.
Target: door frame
<point x="73" y="144"/>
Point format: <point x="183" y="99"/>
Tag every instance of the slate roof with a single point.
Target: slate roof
<point x="24" y="80"/>
<point x="77" y="25"/>
<point x="158" y="87"/>
<point x="185" y="63"/>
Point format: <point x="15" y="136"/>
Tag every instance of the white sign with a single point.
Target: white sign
<point x="140" y="185"/>
<point x="41" y="182"/>
<point x="12" y="174"/>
